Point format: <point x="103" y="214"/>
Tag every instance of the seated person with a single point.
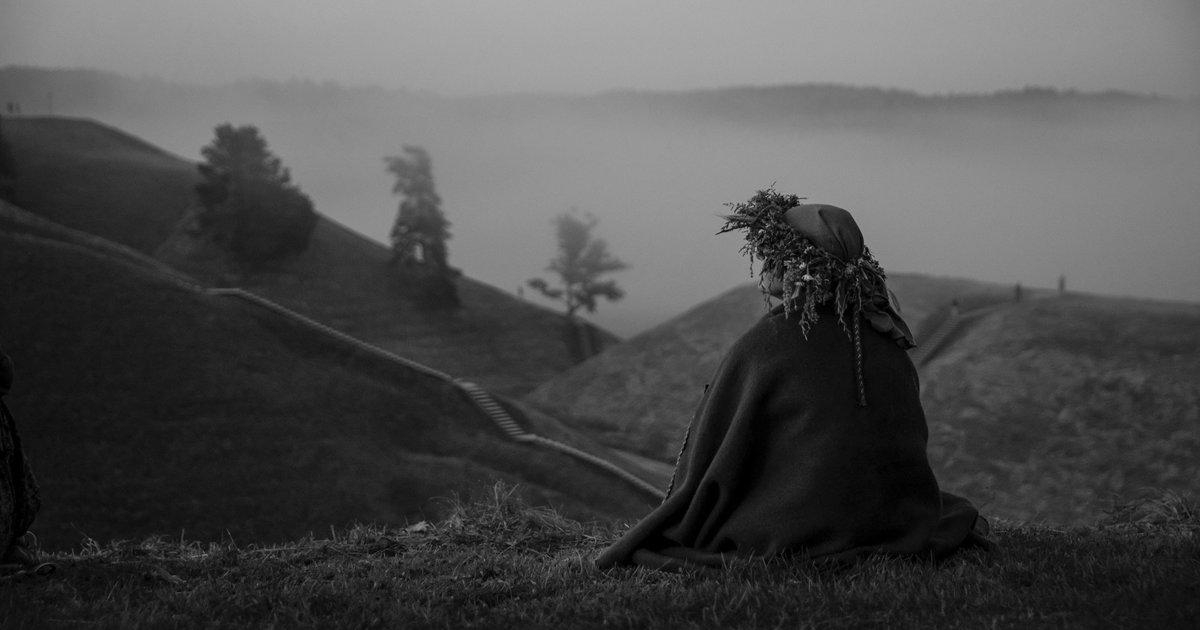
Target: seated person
<point x="18" y="490"/>
<point x="810" y="438"/>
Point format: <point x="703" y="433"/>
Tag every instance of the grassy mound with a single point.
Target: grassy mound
<point x="97" y="179"/>
<point x="1056" y="409"/>
<point x="496" y="562"/>
<point x="148" y="407"/>
<point x="640" y="395"/>
<point x="1050" y="409"/>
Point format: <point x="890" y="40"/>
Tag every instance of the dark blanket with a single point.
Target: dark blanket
<point x="781" y="459"/>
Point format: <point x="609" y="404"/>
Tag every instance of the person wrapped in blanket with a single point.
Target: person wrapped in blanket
<point x="810" y="439"/>
<point x="19" y="499"/>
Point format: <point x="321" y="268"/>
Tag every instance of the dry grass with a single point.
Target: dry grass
<point x="496" y="562"/>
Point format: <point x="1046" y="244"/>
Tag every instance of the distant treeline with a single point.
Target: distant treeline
<point x="42" y="91"/>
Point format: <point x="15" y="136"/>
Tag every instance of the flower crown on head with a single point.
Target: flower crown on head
<point x="811" y="276"/>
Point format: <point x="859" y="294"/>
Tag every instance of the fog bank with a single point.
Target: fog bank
<point x="1105" y="194"/>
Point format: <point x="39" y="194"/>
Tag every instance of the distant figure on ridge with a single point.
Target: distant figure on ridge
<point x="810" y="438"/>
<point x="19" y="500"/>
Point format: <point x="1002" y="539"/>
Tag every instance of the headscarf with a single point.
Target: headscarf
<point x="834" y="230"/>
<point x="817" y="252"/>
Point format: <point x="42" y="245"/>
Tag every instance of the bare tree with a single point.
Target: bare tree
<point x="581" y="261"/>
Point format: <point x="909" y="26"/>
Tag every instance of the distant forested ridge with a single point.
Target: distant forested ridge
<point x="69" y="90"/>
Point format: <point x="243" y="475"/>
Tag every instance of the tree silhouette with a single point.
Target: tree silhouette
<point x="420" y="232"/>
<point x="580" y="262"/>
<point x="250" y="205"/>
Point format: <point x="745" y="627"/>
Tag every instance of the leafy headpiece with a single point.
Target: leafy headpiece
<point x="816" y="253"/>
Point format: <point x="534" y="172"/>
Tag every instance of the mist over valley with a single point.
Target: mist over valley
<point x="1015" y="187"/>
<point x="1020" y="187"/>
<point x="278" y="292"/>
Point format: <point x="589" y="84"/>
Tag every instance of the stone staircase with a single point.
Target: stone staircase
<point x="474" y="335"/>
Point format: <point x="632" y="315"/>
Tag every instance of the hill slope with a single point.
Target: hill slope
<point x="345" y="281"/>
<point x="149" y="407"/>
<point x="1056" y="409"/>
<point x="100" y="180"/>
<point x="1049" y="408"/>
<point x="640" y="394"/>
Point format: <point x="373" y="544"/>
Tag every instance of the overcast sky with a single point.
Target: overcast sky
<point x="479" y="46"/>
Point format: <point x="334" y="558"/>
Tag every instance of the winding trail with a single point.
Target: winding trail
<point x="481" y="398"/>
<point x="35" y="227"/>
<point x="956" y="322"/>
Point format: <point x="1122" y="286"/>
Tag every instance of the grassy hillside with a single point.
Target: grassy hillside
<point x="1055" y="409"/>
<point x="151" y="408"/>
<point x="1050" y="409"/>
<point x="640" y="395"/>
<point x="498" y="564"/>
<point x="100" y="180"/>
<point x="346" y="281"/>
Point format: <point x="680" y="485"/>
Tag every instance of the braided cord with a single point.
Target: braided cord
<point x="858" y="363"/>
<point x="678" y="459"/>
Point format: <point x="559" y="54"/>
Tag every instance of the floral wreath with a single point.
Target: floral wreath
<point x="815" y="275"/>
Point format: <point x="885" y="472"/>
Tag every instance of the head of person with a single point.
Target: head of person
<point x="813" y="257"/>
<point x="831" y="229"/>
<point x="811" y="254"/>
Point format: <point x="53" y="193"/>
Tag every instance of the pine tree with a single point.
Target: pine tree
<point x="250" y="205"/>
<point x="421" y="230"/>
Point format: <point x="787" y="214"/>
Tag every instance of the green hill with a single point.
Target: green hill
<point x="1045" y="409"/>
<point x="151" y="407"/>
<point x="1056" y="409"/>
<point x="99" y="180"/>
<point x="640" y="395"/>
<point x="345" y="281"/>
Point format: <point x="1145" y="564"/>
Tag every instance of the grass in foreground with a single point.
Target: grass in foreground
<point x="498" y="563"/>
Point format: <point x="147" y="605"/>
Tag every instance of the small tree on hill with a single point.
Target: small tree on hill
<point x="581" y="261"/>
<point x="421" y="230"/>
<point x="250" y="205"/>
